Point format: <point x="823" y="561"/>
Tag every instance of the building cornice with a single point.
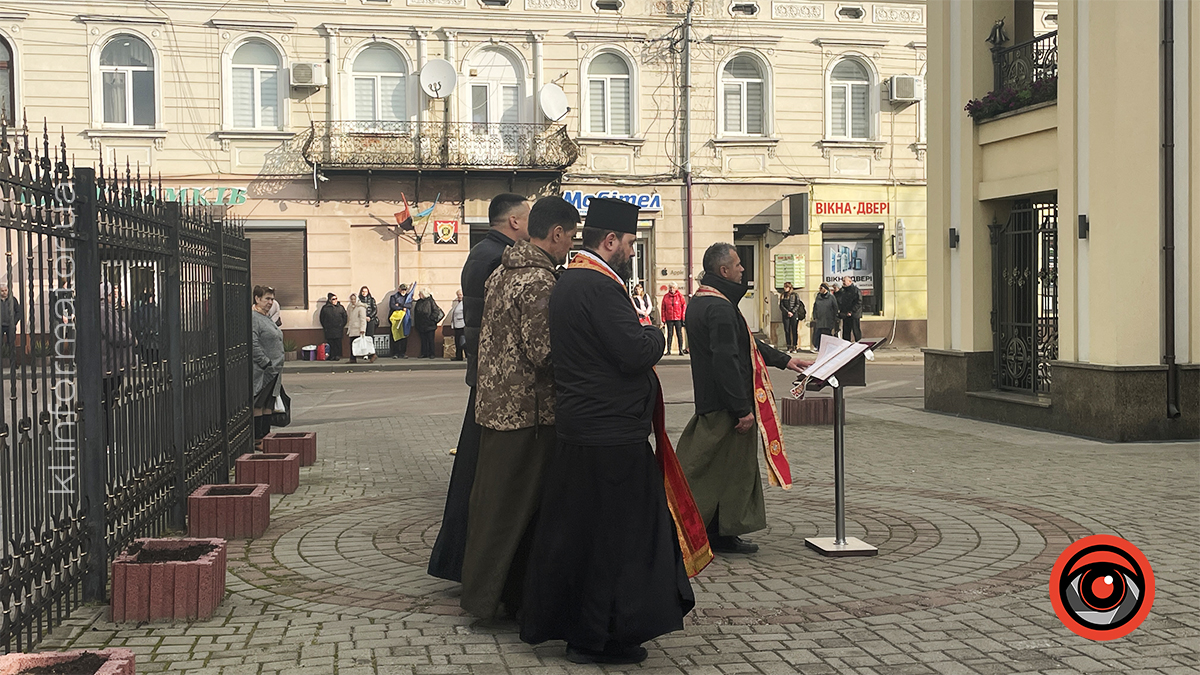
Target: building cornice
<point x="334" y="28"/>
<point x="14" y="16"/>
<point x="748" y="39"/>
<point x="251" y="24"/>
<point x="606" y="36"/>
<point x="850" y="42"/>
<point x="108" y="18"/>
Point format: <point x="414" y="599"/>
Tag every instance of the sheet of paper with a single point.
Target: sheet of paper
<point x="834" y="354"/>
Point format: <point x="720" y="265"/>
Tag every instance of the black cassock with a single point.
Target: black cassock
<point x="605" y="563"/>
<point x="447" y="558"/>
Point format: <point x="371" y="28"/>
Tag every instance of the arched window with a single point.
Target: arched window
<point x="255" y="80"/>
<point x="743" y="96"/>
<point x="496" y="84"/>
<point x="850" y="100"/>
<point x="127" y="82"/>
<point x="380" y="81"/>
<point x="610" y="112"/>
<point x="8" y="84"/>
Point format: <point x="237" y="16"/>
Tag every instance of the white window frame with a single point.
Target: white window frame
<point x="768" y="104"/>
<point x="284" y="84"/>
<point x="495" y="87"/>
<point x="923" y="112"/>
<point x="872" y="100"/>
<point x="411" y="88"/>
<point x="585" y="95"/>
<point x="98" y="82"/>
<point x="16" y="75"/>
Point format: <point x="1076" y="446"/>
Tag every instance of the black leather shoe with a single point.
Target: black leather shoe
<point x="612" y="654"/>
<point x="732" y="545"/>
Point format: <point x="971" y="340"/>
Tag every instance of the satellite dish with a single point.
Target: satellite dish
<point x="553" y="102"/>
<point x="438" y="78"/>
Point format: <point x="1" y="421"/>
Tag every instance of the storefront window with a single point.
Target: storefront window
<point x="855" y="250"/>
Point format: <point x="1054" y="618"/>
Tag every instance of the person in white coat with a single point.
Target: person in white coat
<point x="457" y="321"/>
<point x="356" y="324"/>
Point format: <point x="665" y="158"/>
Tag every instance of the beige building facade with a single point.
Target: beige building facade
<point x="1064" y="260"/>
<point x="805" y="130"/>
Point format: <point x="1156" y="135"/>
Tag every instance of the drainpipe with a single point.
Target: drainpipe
<point x="686" y="144"/>
<point x="1168" y="159"/>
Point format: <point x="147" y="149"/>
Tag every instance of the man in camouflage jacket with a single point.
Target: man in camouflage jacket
<point x="515" y="408"/>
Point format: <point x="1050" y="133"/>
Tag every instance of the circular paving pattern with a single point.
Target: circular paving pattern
<point x="935" y="548"/>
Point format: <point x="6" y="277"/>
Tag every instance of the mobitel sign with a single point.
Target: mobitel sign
<point x="222" y="196"/>
<point x="644" y="201"/>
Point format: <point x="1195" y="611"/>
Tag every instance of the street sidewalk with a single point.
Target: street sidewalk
<point x="384" y="363"/>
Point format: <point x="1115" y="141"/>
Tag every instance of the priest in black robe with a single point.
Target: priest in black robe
<point x="509" y="217"/>
<point x="605" y="570"/>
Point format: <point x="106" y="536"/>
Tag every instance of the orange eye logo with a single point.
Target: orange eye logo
<point x="1102" y="587"/>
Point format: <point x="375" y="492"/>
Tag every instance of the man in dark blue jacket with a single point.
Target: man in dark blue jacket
<point x="508" y="215"/>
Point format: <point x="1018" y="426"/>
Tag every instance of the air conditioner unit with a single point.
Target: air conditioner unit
<point x="308" y="75"/>
<point x="905" y="89"/>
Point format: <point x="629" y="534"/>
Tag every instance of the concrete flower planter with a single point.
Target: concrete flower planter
<point x="229" y="511"/>
<point x="303" y="443"/>
<point x="99" y="662"/>
<point x="808" y="411"/>
<point x="168" y="579"/>
<point x="279" y="470"/>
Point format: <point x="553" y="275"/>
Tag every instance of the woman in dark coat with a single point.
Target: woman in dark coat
<point x="426" y="315"/>
<point x="333" y="321"/>
<point x="368" y="301"/>
<point x="792" y="308"/>
<point x="825" y="315"/>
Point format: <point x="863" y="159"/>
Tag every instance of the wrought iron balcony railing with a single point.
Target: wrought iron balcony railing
<point x="440" y="145"/>
<point x="1021" y="65"/>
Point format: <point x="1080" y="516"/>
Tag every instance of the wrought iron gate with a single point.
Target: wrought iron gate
<point x="124" y="372"/>
<point x="1025" y="296"/>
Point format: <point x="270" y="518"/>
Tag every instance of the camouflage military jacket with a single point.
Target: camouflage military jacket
<point x="515" y="386"/>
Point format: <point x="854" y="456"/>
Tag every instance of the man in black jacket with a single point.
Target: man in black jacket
<point x="849" y="300"/>
<point x="719" y="447"/>
<point x="508" y="215"/>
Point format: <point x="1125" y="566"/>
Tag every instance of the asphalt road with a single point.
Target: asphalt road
<point x="320" y="397"/>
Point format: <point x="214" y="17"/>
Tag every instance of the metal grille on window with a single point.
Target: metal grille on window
<point x="1025" y="296"/>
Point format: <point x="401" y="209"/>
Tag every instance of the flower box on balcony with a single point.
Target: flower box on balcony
<point x="807" y="411"/>
<point x="168" y="579"/>
<point x="279" y="470"/>
<point x="229" y="511"/>
<point x="99" y="662"/>
<point x="303" y="443"/>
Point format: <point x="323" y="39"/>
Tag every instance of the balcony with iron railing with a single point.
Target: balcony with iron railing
<point x="401" y="145"/>
<point x="1024" y="75"/>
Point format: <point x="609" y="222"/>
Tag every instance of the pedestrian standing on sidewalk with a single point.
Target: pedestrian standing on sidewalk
<point x="674" y="305"/>
<point x="509" y="218"/>
<point x="793" y="311"/>
<point x="356" y="323"/>
<point x="456" y="323"/>
<point x="514" y="405"/>
<point x="718" y="448"/>
<point x="606" y="572"/>
<point x="368" y="301"/>
<point x="333" y="321"/>
<point x="400" y="318"/>
<point x="267" y="354"/>
<point x="426" y="316"/>
<point x="643" y="305"/>
<point x="10" y="318"/>
<point x="825" y="315"/>
<point x="849" y="300"/>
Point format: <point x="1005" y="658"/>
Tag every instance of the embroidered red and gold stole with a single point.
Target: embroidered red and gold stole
<point x="689" y="526"/>
<point x="767" y="414"/>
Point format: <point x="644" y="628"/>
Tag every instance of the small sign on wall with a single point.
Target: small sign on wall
<point x="789" y="267"/>
<point x="445" y="231"/>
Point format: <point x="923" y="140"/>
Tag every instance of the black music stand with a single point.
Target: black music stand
<point x="852" y="374"/>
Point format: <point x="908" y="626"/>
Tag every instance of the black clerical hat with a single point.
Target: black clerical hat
<point x="617" y="215"/>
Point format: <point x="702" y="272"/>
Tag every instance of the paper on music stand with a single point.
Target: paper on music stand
<point x="836" y="353"/>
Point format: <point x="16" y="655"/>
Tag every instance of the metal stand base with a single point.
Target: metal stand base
<point x="828" y="546"/>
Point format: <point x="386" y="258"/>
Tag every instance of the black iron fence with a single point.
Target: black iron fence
<point x="383" y="144"/>
<point x="1021" y="65"/>
<point x="1025" y="296"/>
<point x="125" y="367"/>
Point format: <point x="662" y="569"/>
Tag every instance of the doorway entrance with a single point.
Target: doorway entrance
<point x="751" y="303"/>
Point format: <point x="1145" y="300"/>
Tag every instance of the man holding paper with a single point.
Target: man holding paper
<point x="735" y="406"/>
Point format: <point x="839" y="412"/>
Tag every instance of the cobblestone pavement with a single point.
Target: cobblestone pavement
<point x="968" y="517"/>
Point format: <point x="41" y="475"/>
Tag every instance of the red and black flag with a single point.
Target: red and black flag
<point x="404" y="216"/>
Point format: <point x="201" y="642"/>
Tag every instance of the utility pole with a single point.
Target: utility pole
<point x="685" y="144"/>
